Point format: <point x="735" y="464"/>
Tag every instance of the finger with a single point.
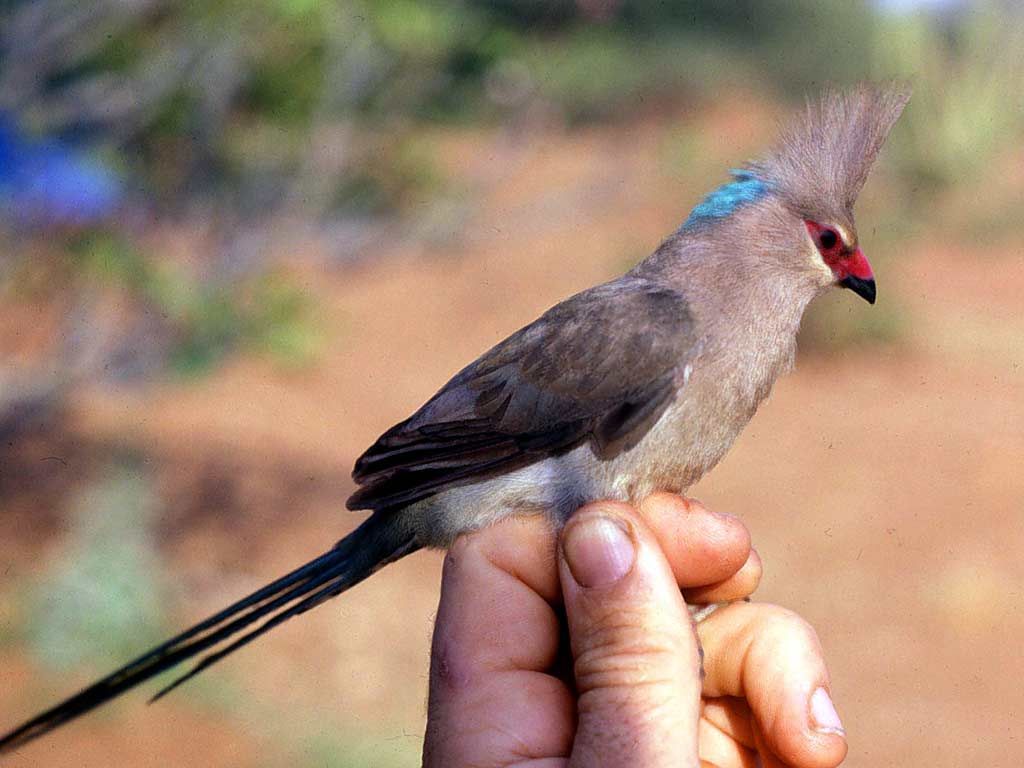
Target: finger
<point x="773" y="658"/>
<point x="719" y="749"/>
<point x="732" y="716"/>
<point x="635" y="654"/>
<point x="496" y="633"/>
<point x="768" y="759"/>
<point x="702" y="547"/>
<point x="740" y="585"/>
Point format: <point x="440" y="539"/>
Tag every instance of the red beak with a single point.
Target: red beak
<point x="854" y="272"/>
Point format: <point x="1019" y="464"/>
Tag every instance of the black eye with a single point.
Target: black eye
<point x="828" y="239"/>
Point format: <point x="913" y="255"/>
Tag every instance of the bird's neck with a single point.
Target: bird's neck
<point x="749" y="309"/>
<point x="734" y="286"/>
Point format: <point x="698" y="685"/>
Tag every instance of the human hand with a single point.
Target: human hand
<point x="587" y="656"/>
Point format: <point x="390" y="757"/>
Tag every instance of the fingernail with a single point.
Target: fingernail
<point x="824" y="718"/>
<point x="599" y="551"/>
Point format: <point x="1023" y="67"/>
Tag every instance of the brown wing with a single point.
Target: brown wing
<point x="600" y="366"/>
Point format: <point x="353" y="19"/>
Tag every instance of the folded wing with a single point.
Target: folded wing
<point x="600" y="367"/>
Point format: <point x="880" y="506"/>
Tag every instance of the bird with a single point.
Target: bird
<point x="631" y="387"/>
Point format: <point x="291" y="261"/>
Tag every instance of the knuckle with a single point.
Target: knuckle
<point x="778" y="625"/>
<point x="784" y="620"/>
<point x="694" y="506"/>
<point x="673" y="504"/>
<point x="633" y="709"/>
<point x="447" y="669"/>
<point x="623" y="655"/>
<point x="776" y="617"/>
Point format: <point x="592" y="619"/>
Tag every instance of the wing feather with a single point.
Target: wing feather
<point x="599" y="367"/>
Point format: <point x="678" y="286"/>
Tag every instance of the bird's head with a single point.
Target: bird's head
<point x="837" y="248"/>
<point x="795" y="204"/>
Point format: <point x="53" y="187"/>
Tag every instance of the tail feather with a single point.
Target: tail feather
<point x="377" y="542"/>
<point x="333" y="588"/>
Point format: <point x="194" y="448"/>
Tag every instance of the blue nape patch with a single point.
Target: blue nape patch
<point x="746" y="188"/>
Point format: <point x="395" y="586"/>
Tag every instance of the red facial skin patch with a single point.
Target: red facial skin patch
<point x="843" y="261"/>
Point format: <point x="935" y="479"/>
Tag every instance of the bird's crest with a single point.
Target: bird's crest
<point x="823" y="158"/>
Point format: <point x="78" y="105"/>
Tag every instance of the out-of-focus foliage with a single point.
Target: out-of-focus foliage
<point x="253" y="120"/>
<point x="226" y="97"/>
<point x="200" y="322"/>
<point x="311" y="105"/>
<point x="617" y="53"/>
<point x="968" y="102"/>
<point x="104" y="598"/>
<point x="942" y="169"/>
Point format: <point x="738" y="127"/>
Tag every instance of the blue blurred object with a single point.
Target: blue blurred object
<point x="48" y="182"/>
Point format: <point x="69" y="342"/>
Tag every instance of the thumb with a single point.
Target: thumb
<point x="635" y="652"/>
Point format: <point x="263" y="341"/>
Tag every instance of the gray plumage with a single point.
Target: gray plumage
<point x="643" y="383"/>
<point x="634" y="386"/>
<point x="822" y="160"/>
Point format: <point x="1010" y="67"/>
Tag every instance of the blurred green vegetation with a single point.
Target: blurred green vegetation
<point x="945" y="171"/>
<point x="317" y="110"/>
<point x="966" y="106"/>
<point x="278" y="69"/>
<point x="104" y="598"/>
<point x="203" y="320"/>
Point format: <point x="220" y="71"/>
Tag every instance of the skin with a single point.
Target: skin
<point x="585" y="657"/>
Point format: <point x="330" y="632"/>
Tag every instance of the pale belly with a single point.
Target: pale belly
<point x="680" y="448"/>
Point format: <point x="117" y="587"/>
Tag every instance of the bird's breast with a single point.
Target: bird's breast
<point x="713" y="404"/>
<point x="715" y="401"/>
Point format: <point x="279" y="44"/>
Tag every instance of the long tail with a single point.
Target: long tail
<point x="378" y="541"/>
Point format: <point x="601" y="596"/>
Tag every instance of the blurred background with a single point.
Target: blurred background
<point x="243" y="238"/>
